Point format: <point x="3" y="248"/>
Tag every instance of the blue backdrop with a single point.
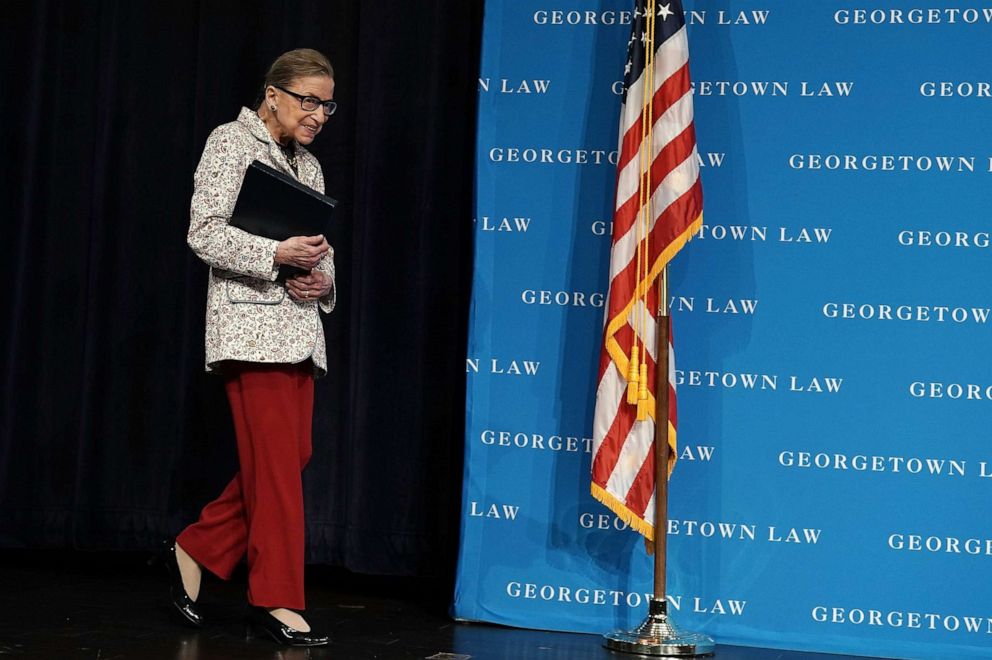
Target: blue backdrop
<point x="831" y="326"/>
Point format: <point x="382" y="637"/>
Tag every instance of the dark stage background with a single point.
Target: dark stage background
<point x="111" y="435"/>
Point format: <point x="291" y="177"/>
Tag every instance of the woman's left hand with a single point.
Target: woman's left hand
<point x="309" y="287"/>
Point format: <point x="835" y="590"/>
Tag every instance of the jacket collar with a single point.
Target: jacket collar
<point x="250" y="120"/>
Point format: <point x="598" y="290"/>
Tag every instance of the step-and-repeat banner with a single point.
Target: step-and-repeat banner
<point x="832" y="326"/>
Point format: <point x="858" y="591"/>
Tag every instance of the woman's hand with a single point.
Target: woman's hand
<point x="309" y="287"/>
<point x="302" y="251"/>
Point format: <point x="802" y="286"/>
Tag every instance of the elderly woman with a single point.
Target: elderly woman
<point x="265" y="338"/>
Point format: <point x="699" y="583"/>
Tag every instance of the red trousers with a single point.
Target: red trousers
<point x="260" y="513"/>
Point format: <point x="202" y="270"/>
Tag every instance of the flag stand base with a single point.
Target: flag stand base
<point x="658" y="636"/>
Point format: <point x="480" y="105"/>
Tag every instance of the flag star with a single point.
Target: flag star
<point x="644" y="38"/>
<point x="627" y="67"/>
<point x="665" y="11"/>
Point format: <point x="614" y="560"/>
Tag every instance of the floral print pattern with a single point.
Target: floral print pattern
<point x="250" y="317"/>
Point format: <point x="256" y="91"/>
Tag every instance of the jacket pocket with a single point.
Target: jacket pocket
<point x="251" y="290"/>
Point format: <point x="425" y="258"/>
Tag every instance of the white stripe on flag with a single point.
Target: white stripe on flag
<point x="608" y="395"/>
<point x="650" y="326"/>
<point x="631" y="110"/>
<point x="672" y="123"/>
<point x="671" y="56"/>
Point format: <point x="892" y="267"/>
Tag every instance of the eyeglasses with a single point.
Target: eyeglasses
<point x="311" y="103"/>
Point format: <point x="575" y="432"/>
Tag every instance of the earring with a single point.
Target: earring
<point x="272" y="108"/>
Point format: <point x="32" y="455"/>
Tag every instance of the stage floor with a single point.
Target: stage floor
<point x="58" y="605"/>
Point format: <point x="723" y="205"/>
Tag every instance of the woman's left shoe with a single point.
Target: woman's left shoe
<point x="185" y="606"/>
<point x="259" y="620"/>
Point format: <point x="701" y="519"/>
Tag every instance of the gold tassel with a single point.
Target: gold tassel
<point x="642" y="394"/>
<point x="632" y="378"/>
<point x="642" y="410"/>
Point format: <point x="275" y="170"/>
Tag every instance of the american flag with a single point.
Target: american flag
<point x="658" y="207"/>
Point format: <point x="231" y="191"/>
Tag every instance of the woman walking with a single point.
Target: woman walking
<point x="265" y="338"/>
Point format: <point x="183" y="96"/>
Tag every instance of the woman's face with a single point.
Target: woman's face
<point x="293" y="121"/>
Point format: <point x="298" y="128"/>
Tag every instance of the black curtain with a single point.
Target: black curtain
<point x="111" y="435"/>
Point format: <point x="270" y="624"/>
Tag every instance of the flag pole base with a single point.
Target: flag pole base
<point x="658" y="636"/>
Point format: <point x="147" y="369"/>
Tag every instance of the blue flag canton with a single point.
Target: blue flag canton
<point x="669" y="19"/>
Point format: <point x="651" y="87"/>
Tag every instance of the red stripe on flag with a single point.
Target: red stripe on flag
<point x="672" y="155"/>
<point x="625" y="216"/>
<point x="604" y="363"/>
<point x="643" y="487"/>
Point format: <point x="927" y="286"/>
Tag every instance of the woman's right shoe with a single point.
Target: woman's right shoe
<point x="261" y="621"/>
<point x="181" y="602"/>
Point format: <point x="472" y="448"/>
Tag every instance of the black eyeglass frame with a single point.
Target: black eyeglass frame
<point x="330" y="107"/>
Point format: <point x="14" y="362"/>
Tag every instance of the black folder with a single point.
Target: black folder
<point x="277" y="206"/>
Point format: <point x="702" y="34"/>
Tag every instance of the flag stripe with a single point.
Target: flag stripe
<point x="676" y="182"/>
<point x="635" y="448"/>
<point x="665" y="96"/>
<point x="643" y="486"/>
<point x="606" y="458"/>
<point x="609" y="396"/>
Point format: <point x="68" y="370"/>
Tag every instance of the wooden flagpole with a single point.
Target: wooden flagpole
<point x="657" y="635"/>
<point x="661" y="448"/>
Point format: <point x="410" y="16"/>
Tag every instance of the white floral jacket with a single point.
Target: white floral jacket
<point x="250" y="316"/>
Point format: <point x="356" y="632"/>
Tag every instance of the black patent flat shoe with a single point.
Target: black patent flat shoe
<point x="266" y="625"/>
<point x="185" y="606"/>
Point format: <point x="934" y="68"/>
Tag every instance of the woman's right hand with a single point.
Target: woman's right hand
<point x="302" y="251"/>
